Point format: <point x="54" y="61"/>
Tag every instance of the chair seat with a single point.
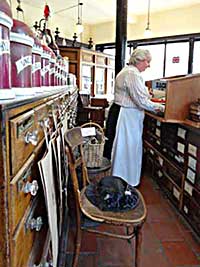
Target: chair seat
<point x="135" y="216"/>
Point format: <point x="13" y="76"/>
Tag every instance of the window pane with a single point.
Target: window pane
<point x="109" y="51"/>
<point x="157" y="63"/>
<point x="100" y="79"/>
<point x="177" y="59"/>
<point x="196" y="57"/>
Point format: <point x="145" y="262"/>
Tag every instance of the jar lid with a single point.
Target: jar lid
<point x="5" y="20"/>
<point x="5" y="14"/>
<point x="5" y="8"/>
<point x="20" y="28"/>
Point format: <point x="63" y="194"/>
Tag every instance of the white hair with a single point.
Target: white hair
<point x="139" y="55"/>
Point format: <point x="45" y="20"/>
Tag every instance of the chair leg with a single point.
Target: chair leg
<point x="127" y="232"/>
<point x="138" y="242"/>
<point x="77" y="247"/>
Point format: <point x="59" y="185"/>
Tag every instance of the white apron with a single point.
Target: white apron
<point x="127" y="147"/>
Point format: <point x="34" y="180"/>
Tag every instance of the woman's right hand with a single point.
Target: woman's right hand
<point x="160" y="108"/>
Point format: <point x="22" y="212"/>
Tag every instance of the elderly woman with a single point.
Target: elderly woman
<point x="133" y="97"/>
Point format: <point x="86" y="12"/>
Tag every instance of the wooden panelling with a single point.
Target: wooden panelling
<point x="21" y="129"/>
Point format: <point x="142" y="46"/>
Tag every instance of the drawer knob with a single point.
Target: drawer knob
<point x="35" y="224"/>
<point x="31" y="188"/>
<point x="31" y="138"/>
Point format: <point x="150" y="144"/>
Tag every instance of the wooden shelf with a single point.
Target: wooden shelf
<point x="180" y="92"/>
<point x="153" y="115"/>
<point x="81" y="57"/>
<point x="192" y="123"/>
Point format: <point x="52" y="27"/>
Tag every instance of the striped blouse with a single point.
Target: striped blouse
<point x="131" y="92"/>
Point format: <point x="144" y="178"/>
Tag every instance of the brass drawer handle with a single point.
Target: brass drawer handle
<point x="35" y="224"/>
<point x="31" y="188"/>
<point x="31" y="137"/>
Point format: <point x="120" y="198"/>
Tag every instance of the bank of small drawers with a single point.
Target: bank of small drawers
<point x="191" y="207"/>
<point x="28" y="132"/>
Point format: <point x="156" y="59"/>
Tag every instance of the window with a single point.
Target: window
<point x="177" y="55"/>
<point x="196" y="57"/>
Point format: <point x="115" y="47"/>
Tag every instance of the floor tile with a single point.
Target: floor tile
<point x="167" y="231"/>
<point x="180" y="254"/>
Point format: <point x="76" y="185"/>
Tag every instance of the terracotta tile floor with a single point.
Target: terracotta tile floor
<point x="167" y="240"/>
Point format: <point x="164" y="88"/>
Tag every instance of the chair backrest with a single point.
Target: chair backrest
<point x="74" y="150"/>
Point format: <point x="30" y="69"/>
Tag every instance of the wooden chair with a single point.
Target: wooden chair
<point x="132" y="220"/>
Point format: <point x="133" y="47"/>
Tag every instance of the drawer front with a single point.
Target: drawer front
<point x="23" y="139"/>
<point x="173" y="192"/>
<point x="191" y="210"/>
<point x="173" y="173"/>
<point x="41" y="120"/>
<point x="26" y="237"/>
<point x="24" y="188"/>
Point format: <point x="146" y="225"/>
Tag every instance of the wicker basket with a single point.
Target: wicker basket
<point x="93" y="152"/>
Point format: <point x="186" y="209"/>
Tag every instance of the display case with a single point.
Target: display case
<point x="94" y="70"/>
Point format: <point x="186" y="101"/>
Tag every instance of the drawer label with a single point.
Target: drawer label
<point x="191" y="175"/>
<point x="179" y="158"/>
<point x="176" y="193"/>
<point x="180" y="147"/>
<point x="192" y="163"/>
<point x="185" y="209"/>
<point x="160" y="161"/>
<point x="158" y="142"/>
<point x="188" y="188"/>
<point x="151" y="151"/>
<point x="192" y="150"/>
<point x="158" y="123"/>
<point x="158" y="132"/>
<point x="181" y="132"/>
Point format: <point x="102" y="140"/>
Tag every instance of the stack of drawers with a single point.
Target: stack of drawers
<point x="173" y="142"/>
<point x="175" y="165"/>
<point x="25" y="239"/>
<point x="191" y="196"/>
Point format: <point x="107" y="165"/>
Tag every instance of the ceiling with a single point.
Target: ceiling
<point x="98" y="11"/>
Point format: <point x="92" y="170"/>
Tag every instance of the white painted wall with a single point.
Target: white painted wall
<point x="171" y="22"/>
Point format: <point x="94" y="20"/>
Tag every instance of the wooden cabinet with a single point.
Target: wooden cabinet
<point x="94" y="70"/>
<point x="172" y="154"/>
<point x="179" y="93"/>
<point x="24" y="231"/>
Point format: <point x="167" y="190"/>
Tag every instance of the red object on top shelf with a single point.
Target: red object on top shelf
<point x="46" y="12"/>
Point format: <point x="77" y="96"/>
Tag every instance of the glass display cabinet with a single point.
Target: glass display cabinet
<point x="94" y="70"/>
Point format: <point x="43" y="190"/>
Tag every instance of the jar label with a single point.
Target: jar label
<point x="36" y="66"/>
<point x="23" y="62"/>
<point x="4" y="47"/>
<point x="45" y="69"/>
<point x="52" y="71"/>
